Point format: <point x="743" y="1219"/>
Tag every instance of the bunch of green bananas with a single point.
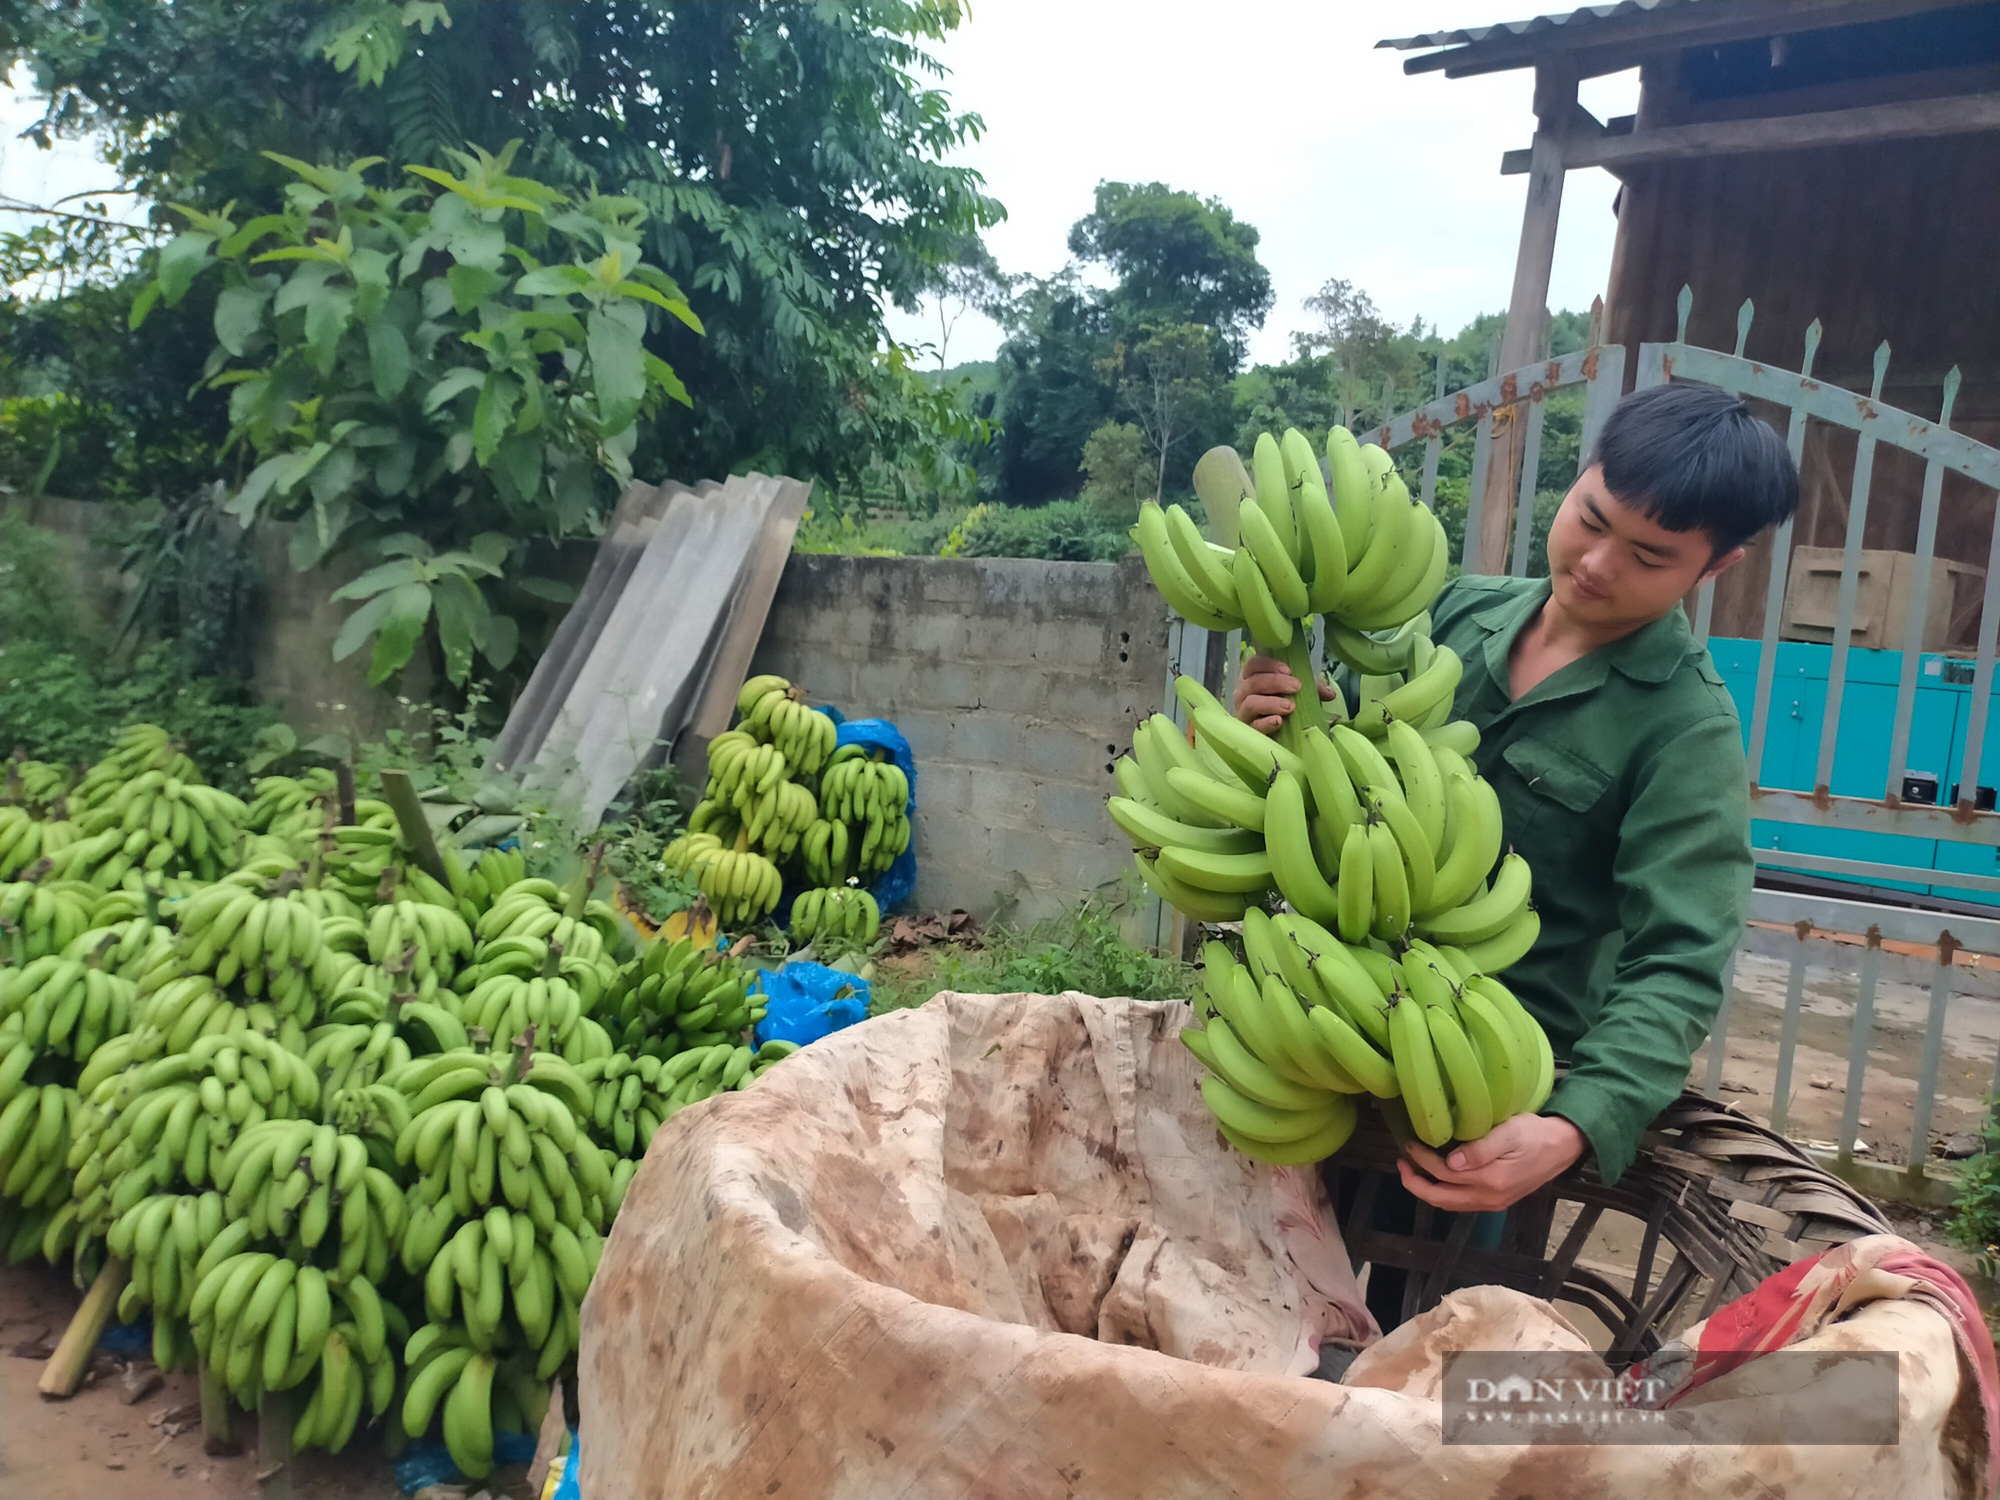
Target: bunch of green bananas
<point x="260" y="943"/>
<point x="741" y="885"/>
<point x="266" y="1322"/>
<point x="155" y="822"/>
<point x="304" y="1181"/>
<point x="433" y="938"/>
<point x="25" y="840"/>
<point x="674" y="996"/>
<point x="512" y="1195"/>
<point x="126" y="935"/>
<point x="356" y="856"/>
<point x="48" y="1230"/>
<point x="69" y="1006"/>
<point x="1358" y="550"/>
<point x="481" y="1392"/>
<point x="35" y="785"/>
<point x="539" y="909"/>
<point x="843" y="913"/>
<point x="43" y="917"/>
<point x="37" y="1127"/>
<point x="349" y="1057"/>
<point x="1380" y="841"/>
<point x="529" y="982"/>
<point x="176" y="1118"/>
<point x="1307" y="1021"/>
<point x="491" y="875"/>
<point x="750" y="789"/>
<point x="830" y="853"/>
<point x="868" y="792"/>
<point x="635" y="1096"/>
<point x="292" y="807"/>
<point x="135" y="750"/>
<point x="773" y="711"/>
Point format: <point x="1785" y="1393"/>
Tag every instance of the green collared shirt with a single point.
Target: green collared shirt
<point x="1622" y="781"/>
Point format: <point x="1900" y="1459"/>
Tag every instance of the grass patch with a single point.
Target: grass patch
<point x="1081" y="949"/>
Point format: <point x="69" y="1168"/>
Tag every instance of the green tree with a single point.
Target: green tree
<point x="413" y="373"/>
<point x="1168" y="381"/>
<point x="1118" y="467"/>
<point x="1178" y="258"/>
<point x="1071" y="360"/>
<point x="791" y="157"/>
<point x="1054" y="388"/>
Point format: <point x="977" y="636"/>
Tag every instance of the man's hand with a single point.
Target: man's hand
<point x="1497" y="1170"/>
<point x="1265" y="692"/>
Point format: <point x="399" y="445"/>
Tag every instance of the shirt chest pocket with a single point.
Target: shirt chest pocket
<point x="1562" y="798"/>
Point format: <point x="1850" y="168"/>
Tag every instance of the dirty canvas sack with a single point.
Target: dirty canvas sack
<point x="994" y="1246"/>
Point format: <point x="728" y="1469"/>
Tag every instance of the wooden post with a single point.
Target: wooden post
<point x="401" y="794"/>
<point x="216" y="1431"/>
<point x="274" y="1445"/>
<point x="64" y="1371"/>
<point x="1527" y="307"/>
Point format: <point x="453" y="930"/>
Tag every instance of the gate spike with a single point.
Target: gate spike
<point x="1951" y="380"/>
<point x="1812" y="347"/>
<point x="1881" y="370"/>
<point x="1440" y="373"/>
<point x="1685" y="302"/>
<point x="1743" y="316"/>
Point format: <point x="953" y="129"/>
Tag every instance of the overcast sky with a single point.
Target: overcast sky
<point x="1287" y="112"/>
<point x="1283" y="109"/>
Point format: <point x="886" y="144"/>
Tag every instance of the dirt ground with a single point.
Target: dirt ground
<point x="1818" y="1092"/>
<point x="96" y="1447"/>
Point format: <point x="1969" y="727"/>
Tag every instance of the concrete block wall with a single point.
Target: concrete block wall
<point x="1017" y="683"/>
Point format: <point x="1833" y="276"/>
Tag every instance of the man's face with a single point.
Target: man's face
<point x="1612" y="568"/>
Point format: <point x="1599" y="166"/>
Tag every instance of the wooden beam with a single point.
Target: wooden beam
<point x="1527" y="306"/>
<point x="1966" y="114"/>
<point x="1598" y="47"/>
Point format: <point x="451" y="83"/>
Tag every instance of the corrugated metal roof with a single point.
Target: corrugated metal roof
<point x="1466" y="36"/>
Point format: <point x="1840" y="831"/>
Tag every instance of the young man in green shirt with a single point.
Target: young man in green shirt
<point x="1618" y="760"/>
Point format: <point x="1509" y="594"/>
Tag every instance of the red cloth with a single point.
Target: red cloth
<point x="1798" y="1301"/>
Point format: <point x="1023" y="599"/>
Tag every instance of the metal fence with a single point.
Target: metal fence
<point x="1864" y="941"/>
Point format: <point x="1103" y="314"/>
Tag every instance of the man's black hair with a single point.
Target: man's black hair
<point x="1692" y="457"/>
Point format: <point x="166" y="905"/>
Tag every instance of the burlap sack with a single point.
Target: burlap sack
<point x="991" y="1248"/>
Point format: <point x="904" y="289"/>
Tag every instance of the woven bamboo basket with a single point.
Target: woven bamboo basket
<point x="1724" y="1203"/>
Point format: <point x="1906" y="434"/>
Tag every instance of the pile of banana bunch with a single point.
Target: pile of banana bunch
<point x="759" y="801"/>
<point x="1371" y="829"/>
<point x="341" y="1120"/>
<point x="844" y="913"/>
<point x="1307" y="1023"/>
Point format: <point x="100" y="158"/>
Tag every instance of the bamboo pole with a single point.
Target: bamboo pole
<point x="64" y="1371"/>
<point x="274" y="1445"/>
<point x="401" y="795"/>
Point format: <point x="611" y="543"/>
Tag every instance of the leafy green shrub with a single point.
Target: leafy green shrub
<point x="1061" y="531"/>
<point x="1119" y="470"/>
<point x="1975" y="1215"/>
<point x="64" y="693"/>
<point x="439" y="371"/>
